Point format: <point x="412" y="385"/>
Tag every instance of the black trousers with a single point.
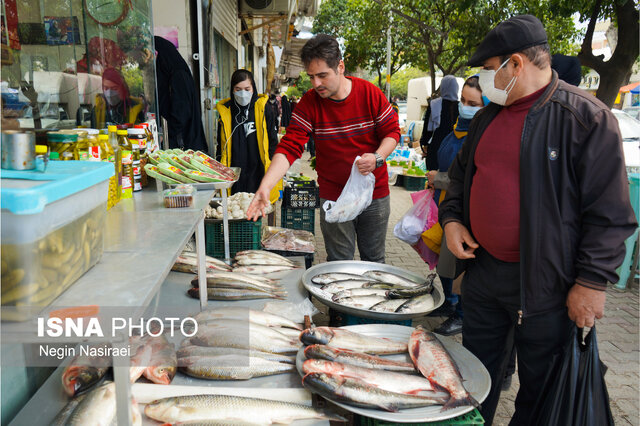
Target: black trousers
<point x="491" y="300"/>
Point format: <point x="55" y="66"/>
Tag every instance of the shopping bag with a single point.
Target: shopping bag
<point x="414" y="222"/>
<point x="354" y="198"/>
<point x="574" y="391"/>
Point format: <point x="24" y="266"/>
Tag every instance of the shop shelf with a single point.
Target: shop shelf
<point x="243" y="235"/>
<point x="304" y="219"/>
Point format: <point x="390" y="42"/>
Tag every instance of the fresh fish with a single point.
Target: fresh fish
<point x="230" y="409"/>
<point x="359" y="359"/>
<point x="355" y="292"/>
<point x="194" y="350"/>
<point x="387" y="305"/>
<point x="83" y="372"/>
<point x="357" y="392"/>
<point x="387" y="380"/>
<point x="345" y="339"/>
<point x="248" y="327"/>
<point x="240" y="285"/>
<point x="140" y="360"/>
<point x="162" y="366"/>
<point x="245" y="337"/>
<point x="291" y="333"/>
<point x="231" y="367"/>
<point x="264" y="253"/>
<point x="391" y="278"/>
<point x="328" y="278"/>
<point x="404" y="293"/>
<point x="254" y="316"/>
<point x="435" y="363"/>
<point x="422" y="303"/>
<point x="381" y="285"/>
<point x="97" y="408"/>
<point x="233" y="294"/>
<point x="262" y="269"/>
<point x="188" y="262"/>
<point x="62" y="418"/>
<point x="237" y="276"/>
<point x="337" y="286"/>
<point x="362" y="302"/>
<point x="262" y="260"/>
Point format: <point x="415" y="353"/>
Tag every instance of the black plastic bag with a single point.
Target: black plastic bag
<point x="574" y="391"/>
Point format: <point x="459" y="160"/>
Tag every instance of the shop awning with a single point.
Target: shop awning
<point x="633" y="88"/>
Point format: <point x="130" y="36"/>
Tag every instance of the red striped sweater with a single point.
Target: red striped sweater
<point x="341" y="131"/>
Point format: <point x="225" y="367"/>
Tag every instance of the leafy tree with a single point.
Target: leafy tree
<point x="400" y="81"/>
<point x="300" y="86"/>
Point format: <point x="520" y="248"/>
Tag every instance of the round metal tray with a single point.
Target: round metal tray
<point x="475" y="375"/>
<point x="359" y="267"/>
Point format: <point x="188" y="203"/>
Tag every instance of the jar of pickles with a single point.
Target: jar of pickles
<point x="81" y="148"/>
<point x="114" y="188"/>
<point x="63" y="142"/>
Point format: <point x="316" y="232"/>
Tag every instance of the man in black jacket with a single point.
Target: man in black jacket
<point x="538" y="207"/>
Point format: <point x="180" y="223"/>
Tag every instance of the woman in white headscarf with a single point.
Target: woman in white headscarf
<point x="439" y="120"/>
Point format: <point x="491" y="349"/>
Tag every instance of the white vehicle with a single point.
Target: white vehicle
<point x="630" y="130"/>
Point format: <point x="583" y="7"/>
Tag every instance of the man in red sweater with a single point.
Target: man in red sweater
<point x="347" y="117"/>
<point x="538" y="207"/>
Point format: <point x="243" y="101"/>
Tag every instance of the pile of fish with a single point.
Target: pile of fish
<point x="345" y="366"/>
<point x="238" y="286"/>
<point x="188" y="262"/>
<point x="231" y="410"/>
<point x="378" y="291"/>
<point x="239" y="344"/>
<point x="97" y="407"/>
<point x="261" y="262"/>
<point x="151" y="356"/>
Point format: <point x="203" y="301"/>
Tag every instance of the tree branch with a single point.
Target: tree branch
<point x="586" y="52"/>
<point x="413" y="20"/>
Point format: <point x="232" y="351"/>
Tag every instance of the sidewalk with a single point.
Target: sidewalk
<point x="618" y="333"/>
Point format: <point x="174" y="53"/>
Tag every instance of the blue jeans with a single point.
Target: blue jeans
<point x="369" y="229"/>
<point x="452" y="298"/>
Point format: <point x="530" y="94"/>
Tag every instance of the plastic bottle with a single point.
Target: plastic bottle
<point x="115" y="157"/>
<point x="127" y="164"/>
<point x="137" y="138"/>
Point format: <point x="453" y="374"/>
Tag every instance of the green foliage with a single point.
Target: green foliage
<point x="400" y="81"/>
<point x="133" y="76"/>
<point x="300" y="86"/>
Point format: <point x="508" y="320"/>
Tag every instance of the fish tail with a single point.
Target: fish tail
<point x="460" y="401"/>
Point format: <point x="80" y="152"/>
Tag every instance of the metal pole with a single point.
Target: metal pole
<point x="389" y="59"/>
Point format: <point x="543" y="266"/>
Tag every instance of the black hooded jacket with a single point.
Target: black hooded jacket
<point x="177" y="100"/>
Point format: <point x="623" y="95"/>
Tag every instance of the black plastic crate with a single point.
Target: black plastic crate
<point x="414" y="183"/>
<point x="308" y="257"/>
<point x="243" y="235"/>
<point x="301" y="194"/>
<point x="304" y="219"/>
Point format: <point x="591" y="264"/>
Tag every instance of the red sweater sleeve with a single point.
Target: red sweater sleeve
<point x="386" y="118"/>
<point x="298" y="131"/>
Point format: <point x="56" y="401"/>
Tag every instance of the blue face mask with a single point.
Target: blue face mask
<point x="466" y="111"/>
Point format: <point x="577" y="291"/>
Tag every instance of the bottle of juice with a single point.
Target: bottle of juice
<point x="115" y="157"/>
<point x="127" y="163"/>
<point x="137" y="138"/>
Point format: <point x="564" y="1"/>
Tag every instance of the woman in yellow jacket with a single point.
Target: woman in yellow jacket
<point x="247" y="133"/>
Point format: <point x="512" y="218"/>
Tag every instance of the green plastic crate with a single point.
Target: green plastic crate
<point x="471" y="418"/>
<point x="304" y="219"/>
<point x="243" y="235"/>
<point x="414" y="183"/>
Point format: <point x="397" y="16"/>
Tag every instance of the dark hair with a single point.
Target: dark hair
<point x="323" y="47"/>
<point x="538" y="55"/>
<point x="241" y="75"/>
<point x="473" y="82"/>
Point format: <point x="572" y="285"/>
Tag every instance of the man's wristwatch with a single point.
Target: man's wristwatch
<point x="379" y="160"/>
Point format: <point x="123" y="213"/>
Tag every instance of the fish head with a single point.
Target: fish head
<point x="319" y="351"/>
<point x="164" y="374"/>
<point x="322" y="366"/>
<point x="323" y="383"/>
<point x="319" y="335"/>
<point x="163" y="408"/>
<point x="77" y="379"/>
<point x="194" y="292"/>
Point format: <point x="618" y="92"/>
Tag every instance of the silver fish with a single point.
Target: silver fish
<point x="387" y="380"/>
<point x="254" y="316"/>
<point x="97" y="408"/>
<point x="324" y="279"/>
<point x="262" y="269"/>
<point x="345" y="339"/>
<point x="225" y="283"/>
<point x="262" y="260"/>
<point x="357" y="392"/>
<point x="245" y="336"/>
<point x="231" y="367"/>
<point x="404" y="293"/>
<point x="388" y="305"/>
<point x="435" y="363"/>
<point x="194" y="350"/>
<point x="422" y="303"/>
<point x="338" y="286"/>
<point x="188" y="262"/>
<point x="230" y="409"/>
<point x="263" y="253"/>
<point x="355" y="292"/>
<point x="359" y="359"/>
<point x="62" y="418"/>
<point x="362" y="302"/>
<point x="391" y="278"/>
<point x="215" y="293"/>
<point x="237" y="276"/>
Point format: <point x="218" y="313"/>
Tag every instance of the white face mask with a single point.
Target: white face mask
<point x="486" y="79"/>
<point x="243" y="97"/>
<point x="112" y="96"/>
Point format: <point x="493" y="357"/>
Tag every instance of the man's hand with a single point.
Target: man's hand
<point x="457" y="235"/>
<point x="259" y="203"/>
<point x="585" y="305"/>
<point x="366" y="164"/>
<point x="431" y="176"/>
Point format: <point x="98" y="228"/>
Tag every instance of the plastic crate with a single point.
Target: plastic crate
<point x="414" y="183"/>
<point x="301" y="195"/>
<point x="304" y="219"/>
<point x="243" y="235"/>
<point x="308" y="257"/>
<point x="471" y="418"/>
<point x="339" y="319"/>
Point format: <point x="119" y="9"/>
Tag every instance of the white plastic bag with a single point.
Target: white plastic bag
<point x="355" y="197"/>
<point x="411" y="226"/>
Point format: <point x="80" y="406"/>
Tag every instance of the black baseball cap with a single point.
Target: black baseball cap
<point x="510" y="36"/>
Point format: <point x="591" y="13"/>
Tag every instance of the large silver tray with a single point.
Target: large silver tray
<point x="476" y="377"/>
<point x="359" y="267"/>
<point x="204" y="186"/>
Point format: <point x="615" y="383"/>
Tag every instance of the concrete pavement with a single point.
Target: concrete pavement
<point x="618" y="333"/>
